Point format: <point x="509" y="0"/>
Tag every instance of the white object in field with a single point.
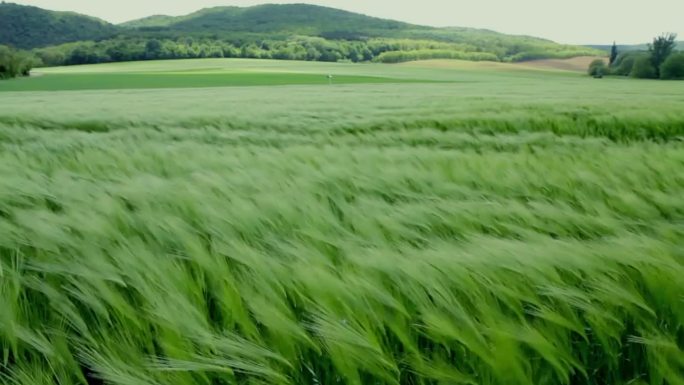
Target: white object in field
<point x="330" y="79"/>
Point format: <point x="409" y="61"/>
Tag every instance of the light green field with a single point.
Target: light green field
<point x="455" y="225"/>
<point x="183" y="74"/>
<point x="224" y="73"/>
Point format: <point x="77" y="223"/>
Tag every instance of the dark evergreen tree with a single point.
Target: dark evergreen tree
<point x="613" y="54"/>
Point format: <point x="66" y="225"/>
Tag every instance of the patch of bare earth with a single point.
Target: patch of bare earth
<point x="577" y="64"/>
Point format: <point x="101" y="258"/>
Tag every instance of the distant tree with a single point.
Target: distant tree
<point x="661" y="48"/>
<point x="5" y="63"/>
<point x="119" y="52"/>
<point x="367" y="54"/>
<point x="673" y="68"/>
<point x="330" y="56"/>
<point x="597" y="68"/>
<point x="215" y="51"/>
<point x="153" y="49"/>
<point x="229" y="51"/>
<point x="354" y="55"/>
<point x="284" y="53"/>
<point x="625" y="61"/>
<point x="643" y="68"/>
<point x="78" y="56"/>
<point x="312" y="54"/>
<point x="250" y="51"/>
<point x="51" y="57"/>
<point x="16" y="63"/>
<point x="613" y="54"/>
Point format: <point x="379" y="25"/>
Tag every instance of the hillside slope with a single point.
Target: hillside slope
<point x="271" y="20"/>
<point x="282" y="22"/>
<point x="300" y="19"/>
<point x="29" y="27"/>
<point x="270" y="31"/>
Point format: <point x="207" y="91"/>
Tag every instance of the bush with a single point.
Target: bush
<point x="597" y="68"/>
<point x="643" y="68"/>
<point x="625" y="62"/>
<point x="15" y="63"/>
<point x="673" y="68"/>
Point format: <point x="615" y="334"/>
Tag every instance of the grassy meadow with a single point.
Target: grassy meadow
<point x="427" y="223"/>
<point x="187" y="74"/>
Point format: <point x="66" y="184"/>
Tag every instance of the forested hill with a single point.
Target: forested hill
<point x="301" y="19"/>
<point x="30" y="27"/>
<point x="288" y="31"/>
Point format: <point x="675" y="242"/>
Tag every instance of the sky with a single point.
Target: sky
<point x="566" y="21"/>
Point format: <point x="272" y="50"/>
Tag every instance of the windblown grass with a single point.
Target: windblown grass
<point x="409" y="234"/>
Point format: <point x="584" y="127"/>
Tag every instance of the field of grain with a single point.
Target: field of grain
<point x="456" y="225"/>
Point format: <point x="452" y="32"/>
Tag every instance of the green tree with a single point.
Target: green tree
<point x="643" y="68"/>
<point x="250" y="51"/>
<point x="51" y="56"/>
<point x="625" y="61"/>
<point x="661" y="48"/>
<point x="312" y="54"/>
<point x="284" y="53"/>
<point x="79" y="56"/>
<point x="673" y="67"/>
<point x="15" y="63"/>
<point x="119" y="52"/>
<point x="597" y="68"/>
<point x="153" y="49"/>
<point x="5" y="60"/>
<point x="613" y="55"/>
<point x="230" y="51"/>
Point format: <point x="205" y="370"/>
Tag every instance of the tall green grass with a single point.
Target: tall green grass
<point x="381" y="241"/>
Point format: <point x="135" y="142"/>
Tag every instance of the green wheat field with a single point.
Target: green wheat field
<point x="219" y="222"/>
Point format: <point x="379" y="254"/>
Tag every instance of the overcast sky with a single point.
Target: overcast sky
<point x="566" y="21"/>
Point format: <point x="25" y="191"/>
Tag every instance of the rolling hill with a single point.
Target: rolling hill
<point x="286" y="31"/>
<point x="279" y="20"/>
<point x="29" y="27"/>
<point x="300" y="19"/>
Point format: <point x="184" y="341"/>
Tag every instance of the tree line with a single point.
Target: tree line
<point x="305" y="48"/>
<point x="296" y="48"/>
<point x="661" y="61"/>
<point x="135" y="49"/>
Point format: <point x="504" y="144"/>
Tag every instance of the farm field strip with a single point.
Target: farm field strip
<point x="156" y="80"/>
<point x="226" y="72"/>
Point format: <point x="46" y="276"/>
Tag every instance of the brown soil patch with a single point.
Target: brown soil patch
<point x="577" y="64"/>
